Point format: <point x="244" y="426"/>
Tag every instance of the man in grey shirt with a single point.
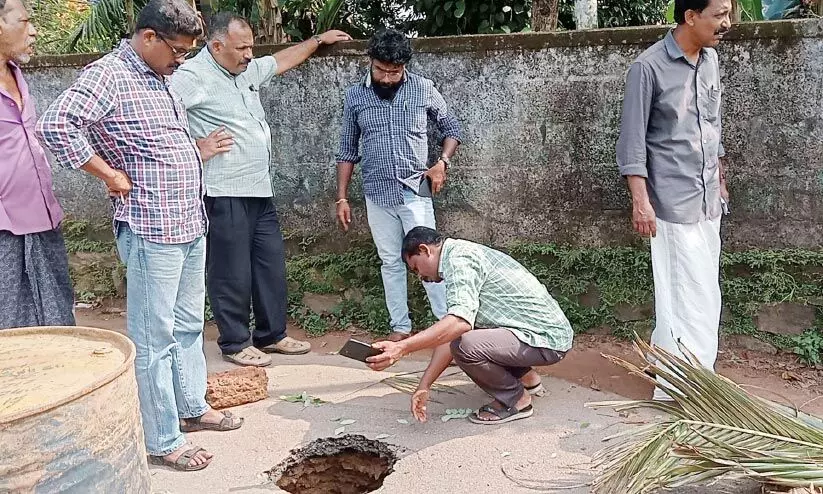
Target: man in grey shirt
<point x="669" y="150"/>
<point x="246" y="265"/>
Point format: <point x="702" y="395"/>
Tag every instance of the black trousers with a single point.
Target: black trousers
<point x="246" y="266"/>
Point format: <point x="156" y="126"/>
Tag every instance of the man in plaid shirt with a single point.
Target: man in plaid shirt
<point x="501" y="321"/>
<point x="389" y="111"/>
<point x="120" y="123"/>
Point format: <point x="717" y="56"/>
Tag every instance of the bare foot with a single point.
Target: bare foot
<point x="202" y="457"/>
<point x="212" y="417"/>
<point x="531" y="379"/>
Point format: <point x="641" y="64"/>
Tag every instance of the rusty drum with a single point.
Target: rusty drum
<point x="69" y="416"/>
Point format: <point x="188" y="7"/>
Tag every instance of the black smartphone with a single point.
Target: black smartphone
<point x="358" y="350"/>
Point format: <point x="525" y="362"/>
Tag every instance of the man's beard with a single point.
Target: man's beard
<point x="386" y="92"/>
<point x="24" y="57"/>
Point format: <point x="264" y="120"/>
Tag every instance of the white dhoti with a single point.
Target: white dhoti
<point x="686" y="266"/>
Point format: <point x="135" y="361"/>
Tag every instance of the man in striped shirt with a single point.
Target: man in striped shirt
<point x="501" y="321"/>
<point x="120" y="123"/>
<point x="246" y="260"/>
<point x="389" y="111"/>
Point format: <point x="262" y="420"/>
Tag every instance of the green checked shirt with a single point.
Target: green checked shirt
<point x="489" y="289"/>
<point x="213" y="98"/>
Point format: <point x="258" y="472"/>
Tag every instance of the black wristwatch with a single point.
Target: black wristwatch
<point x="445" y="159"/>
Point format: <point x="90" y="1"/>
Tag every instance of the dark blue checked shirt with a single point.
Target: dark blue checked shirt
<point x="394" y="134"/>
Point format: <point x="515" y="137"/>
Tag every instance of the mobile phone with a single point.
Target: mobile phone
<point x="358" y="350"/>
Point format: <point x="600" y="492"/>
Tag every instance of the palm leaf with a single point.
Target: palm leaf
<point x="717" y="429"/>
<point x="327" y="16"/>
<point x="106" y="23"/>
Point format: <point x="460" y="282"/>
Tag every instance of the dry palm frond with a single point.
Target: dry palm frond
<point x="718" y="429"/>
<point x="408" y="382"/>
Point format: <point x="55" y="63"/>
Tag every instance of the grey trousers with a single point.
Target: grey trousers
<point x="495" y="359"/>
<point x="35" y="289"/>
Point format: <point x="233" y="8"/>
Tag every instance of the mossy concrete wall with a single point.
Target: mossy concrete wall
<point x="540" y="114"/>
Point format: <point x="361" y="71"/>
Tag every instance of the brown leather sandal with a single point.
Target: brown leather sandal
<point x="183" y="462"/>
<point x="228" y="423"/>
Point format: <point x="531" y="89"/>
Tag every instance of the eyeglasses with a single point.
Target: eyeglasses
<point x="178" y="54"/>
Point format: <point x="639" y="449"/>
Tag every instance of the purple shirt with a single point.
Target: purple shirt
<point x="27" y="202"/>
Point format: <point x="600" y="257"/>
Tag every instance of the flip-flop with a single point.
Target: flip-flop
<point x="536" y="390"/>
<point x="183" y="462"/>
<point x="504" y="414"/>
<point x="228" y="423"/>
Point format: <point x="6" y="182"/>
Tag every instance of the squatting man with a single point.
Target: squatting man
<point x="500" y="322"/>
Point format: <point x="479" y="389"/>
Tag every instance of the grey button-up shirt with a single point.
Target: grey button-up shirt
<point x="213" y="97"/>
<point x="670" y="131"/>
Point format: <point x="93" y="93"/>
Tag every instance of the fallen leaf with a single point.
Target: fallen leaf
<point x="381" y="436"/>
<point x="583" y="425"/>
<point x="339" y="431"/>
<point x="304" y="398"/>
<point x="554" y="455"/>
<point x="347" y="422"/>
<point x="506" y="454"/>
<point x="403" y="421"/>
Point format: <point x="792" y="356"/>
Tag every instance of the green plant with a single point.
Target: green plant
<point x="809" y="347"/>
<point x="104" y="26"/>
<point x="78" y="236"/>
<point x="619" y="13"/>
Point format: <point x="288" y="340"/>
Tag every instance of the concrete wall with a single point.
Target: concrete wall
<point x="540" y="114"/>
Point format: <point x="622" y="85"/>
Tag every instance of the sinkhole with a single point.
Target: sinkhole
<point x="350" y="464"/>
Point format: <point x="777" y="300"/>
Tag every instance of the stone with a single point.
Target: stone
<point x="236" y="387"/>
<point x="785" y="318"/>
<point x="323" y="304"/>
<point x="591" y="298"/>
<point x="629" y="313"/>
<point x="748" y="342"/>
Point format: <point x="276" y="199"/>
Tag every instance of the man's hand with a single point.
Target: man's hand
<point x="644" y="220"/>
<point x="333" y="36"/>
<point x="119" y="184"/>
<point x="344" y="215"/>
<point x="392" y="352"/>
<point x="724" y="192"/>
<point x="418" y="404"/>
<point x="219" y="141"/>
<point x="437" y="174"/>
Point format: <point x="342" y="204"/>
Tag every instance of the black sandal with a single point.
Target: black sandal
<point x="228" y="423"/>
<point x="183" y="463"/>
<point x="503" y="415"/>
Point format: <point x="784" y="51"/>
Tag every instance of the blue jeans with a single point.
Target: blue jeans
<point x="165" y="311"/>
<point x="388" y="227"/>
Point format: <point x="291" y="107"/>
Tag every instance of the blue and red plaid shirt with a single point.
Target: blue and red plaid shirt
<point x="121" y="110"/>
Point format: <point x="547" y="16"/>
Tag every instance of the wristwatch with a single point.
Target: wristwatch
<point x="317" y="38"/>
<point x="445" y="159"/>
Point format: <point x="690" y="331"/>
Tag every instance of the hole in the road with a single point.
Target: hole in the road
<point x="349" y="464"/>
